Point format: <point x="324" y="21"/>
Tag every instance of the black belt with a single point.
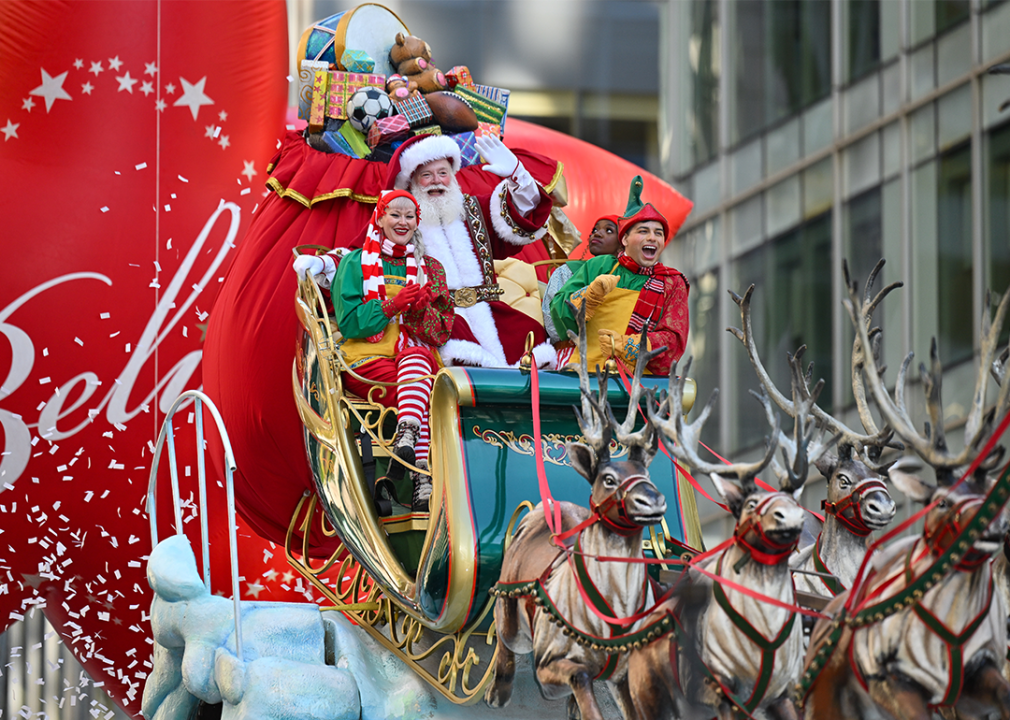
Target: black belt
<point x="469" y="296"/>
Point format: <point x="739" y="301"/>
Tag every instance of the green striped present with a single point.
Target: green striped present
<point x="486" y="109"/>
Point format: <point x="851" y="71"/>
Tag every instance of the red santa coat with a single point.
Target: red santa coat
<point x="487" y="332"/>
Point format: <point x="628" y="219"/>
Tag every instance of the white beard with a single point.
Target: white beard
<point x="440" y="209"/>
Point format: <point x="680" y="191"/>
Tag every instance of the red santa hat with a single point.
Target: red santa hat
<point x="417" y="151"/>
<point x="639" y="212"/>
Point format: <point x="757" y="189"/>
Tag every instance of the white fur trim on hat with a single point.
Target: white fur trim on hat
<point x="437" y="147"/>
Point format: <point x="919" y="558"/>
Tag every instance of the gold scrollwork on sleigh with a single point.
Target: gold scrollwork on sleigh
<point x="555" y="448"/>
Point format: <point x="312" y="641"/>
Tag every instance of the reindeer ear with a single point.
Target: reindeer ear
<point x="645" y="455"/>
<point x="826" y="464"/>
<point x="583" y="460"/>
<point x="904" y="475"/>
<point x="729" y="491"/>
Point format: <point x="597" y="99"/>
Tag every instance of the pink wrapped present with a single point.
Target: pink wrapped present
<point x="386" y="130"/>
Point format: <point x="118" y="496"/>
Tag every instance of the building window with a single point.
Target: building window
<point x="703" y="56"/>
<point x="703" y="347"/>
<point x="997" y="246"/>
<point x="791" y="306"/>
<point x="954" y="257"/>
<point x="782" y="60"/>
<point x="864" y="37"/>
<point x="950" y="12"/>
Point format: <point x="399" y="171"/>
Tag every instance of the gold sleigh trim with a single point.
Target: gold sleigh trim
<point x="555" y="450"/>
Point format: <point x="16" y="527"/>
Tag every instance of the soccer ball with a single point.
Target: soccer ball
<point x="368" y="105"/>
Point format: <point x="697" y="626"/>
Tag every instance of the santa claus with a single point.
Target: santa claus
<point x="466" y="234"/>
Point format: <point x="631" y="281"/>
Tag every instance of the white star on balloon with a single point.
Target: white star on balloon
<point x="114" y="63"/>
<point x="150" y="68"/>
<point x="222" y="115"/>
<point x="254" y="589"/>
<point x="224" y="142"/>
<point x="147" y="88"/>
<point x="160" y="105"/>
<point x="170" y="89"/>
<point x="51" y="89"/>
<point x="249" y="170"/>
<point x="27" y="104"/>
<point x="78" y="63"/>
<point x="86" y="88"/>
<point x="96" y="67"/>
<point x="126" y="82"/>
<point x="193" y="96"/>
<point x="11" y="130"/>
<point x="209" y="131"/>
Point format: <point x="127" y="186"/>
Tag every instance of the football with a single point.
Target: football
<point x="368" y="105"/>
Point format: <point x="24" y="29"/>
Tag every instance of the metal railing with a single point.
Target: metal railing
<point x="167" y="434"/>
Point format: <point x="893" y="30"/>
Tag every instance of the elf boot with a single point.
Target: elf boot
<point x="422" y="490"/>
<point x="403" y="448"/>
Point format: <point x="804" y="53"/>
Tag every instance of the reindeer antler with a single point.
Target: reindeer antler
<point x="932" y="446"/>
<point x="806" y="445"/>
<point x="622" y="431"/>
<point x="681" y="438"/>
<point x="593" y="421"/>
<point x="873" y="437"/>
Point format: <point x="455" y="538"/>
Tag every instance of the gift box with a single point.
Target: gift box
<point x="500" y="96"/>
<point x="317" y="111"/>
<point x="415" y="110"/>
<point x="345" y="84"/>
<point x="468" y="154"/>
<point x="486" y="109"/>
<point x="357" y="61"/>
<point x="488" y="129"/>
<point x="306" y="85"/>
<point x="336" y="143"/>
<point x="428" y="130"/>
<point x="387" y="129"/>
<point x="355" y="140"/>
<point x="458" y="75"/>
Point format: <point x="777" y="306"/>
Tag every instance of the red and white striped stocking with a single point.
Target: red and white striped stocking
<point x="413" y="397"/>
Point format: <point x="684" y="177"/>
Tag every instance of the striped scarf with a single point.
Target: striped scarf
<point x="651" y="298"/>
<point x="373" y="280"/>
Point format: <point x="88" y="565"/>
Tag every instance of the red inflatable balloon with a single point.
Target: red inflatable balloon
<point x="251" y="338"/>
<point x="134" y="148"/>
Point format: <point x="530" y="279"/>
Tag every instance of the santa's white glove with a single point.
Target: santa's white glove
<point x="501" y="161"/>
<point x="306" y="265"/>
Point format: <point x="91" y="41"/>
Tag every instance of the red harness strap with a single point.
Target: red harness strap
<point x="848" y="509"/>
<point x="769" y="552"/>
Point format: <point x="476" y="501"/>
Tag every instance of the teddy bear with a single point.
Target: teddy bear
<point x="411" y="56"/>
<point x="399" y="87"/>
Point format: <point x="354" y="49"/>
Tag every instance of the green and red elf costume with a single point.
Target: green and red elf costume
<point x="633" y="297"/>
<point x="388" y="339"/>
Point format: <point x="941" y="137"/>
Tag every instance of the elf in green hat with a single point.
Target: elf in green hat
<point x="633" y="292"/>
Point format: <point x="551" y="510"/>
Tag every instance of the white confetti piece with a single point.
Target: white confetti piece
<point x="115" y="333"/>
<point x="128" y="346"/>
<point x="183" y="179"/>
<point x="168" y="208"/>
<point x="88" y="495"/>
<point x="168" y="245"/>
<point x="105" y="208"/>
<point x="174" y="196"/>
<point x="79" y="341"/>
<point x="105" y="316"/>
<point x="45" y="352"/>
<point x="141" y="166"/>
<point x="117" y="172"/>
<point x="255" y="208"/>
<point x="246" y="191"/>
<point x="45" y="381"/>
<point x="184" y="333"/>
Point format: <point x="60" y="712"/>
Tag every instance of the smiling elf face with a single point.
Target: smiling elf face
<point x="644" y="242"/>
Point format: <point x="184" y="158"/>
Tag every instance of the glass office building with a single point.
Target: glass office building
<point x="809" y="132"/>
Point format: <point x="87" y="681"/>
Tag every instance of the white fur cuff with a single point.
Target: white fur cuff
<point x="502" y="222"/>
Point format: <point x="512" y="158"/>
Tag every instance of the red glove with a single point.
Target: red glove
<point x="406" y="297"/>
<point x="425" y="297"/>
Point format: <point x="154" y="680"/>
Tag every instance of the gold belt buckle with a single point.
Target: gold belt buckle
<point x="465" y="297"/>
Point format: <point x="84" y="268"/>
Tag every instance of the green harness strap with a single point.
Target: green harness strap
<point x="831" y="583"/>
<point x="768" y="647"/>
<point x="954" y="642"/>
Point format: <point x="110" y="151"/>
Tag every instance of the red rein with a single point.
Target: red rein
<point x="853" y="502"/>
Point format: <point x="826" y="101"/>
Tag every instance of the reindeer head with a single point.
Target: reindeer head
<point x="623" y="495"/>
<point x="956" y="503"/>
<point x="954" y="508"/>
<point x="857" y="495"/>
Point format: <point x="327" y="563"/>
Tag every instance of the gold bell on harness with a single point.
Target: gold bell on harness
<point x="611" y="364"/>
<point x="526" y="361"/>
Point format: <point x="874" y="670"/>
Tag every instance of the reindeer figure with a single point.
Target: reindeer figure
<point x="741" y="645"/>
<point x="858" y="502"/>
<point x="943" y="644"/>
<point x="624" y="500"/>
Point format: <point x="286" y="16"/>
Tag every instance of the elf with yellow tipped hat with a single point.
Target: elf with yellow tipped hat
<point x="633" y="292"/>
